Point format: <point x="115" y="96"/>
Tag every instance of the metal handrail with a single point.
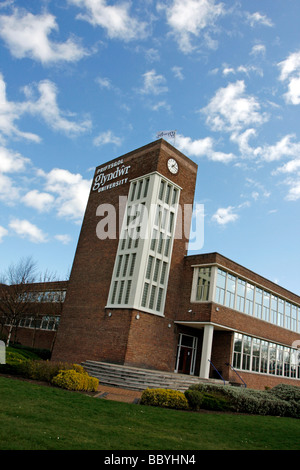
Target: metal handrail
<point x="227" y="364"/>
<point x="217" y="371"/>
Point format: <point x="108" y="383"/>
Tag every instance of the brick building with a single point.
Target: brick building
<point x="30" y="312"/>
<point x="135" y="297"/>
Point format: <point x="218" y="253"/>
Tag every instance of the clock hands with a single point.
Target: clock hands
<point x="172" y="165"/>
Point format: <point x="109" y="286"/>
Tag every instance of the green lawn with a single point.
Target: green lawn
<point x="36" y="417"/>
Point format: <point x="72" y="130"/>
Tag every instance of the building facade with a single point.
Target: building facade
<point x="122" y="297"/>
<point x="136" y="298"/>
<point x="246" y="327"/>
<point x="30" y="312"/>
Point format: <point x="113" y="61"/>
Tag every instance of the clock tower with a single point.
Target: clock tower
<point x="124" y="288"/>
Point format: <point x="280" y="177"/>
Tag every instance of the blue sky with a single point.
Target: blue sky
<point x="85" y="81"/>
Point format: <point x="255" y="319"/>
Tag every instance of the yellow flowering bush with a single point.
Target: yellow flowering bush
<point x="73" y="380"/>
<point x="165" y="398"/>
<point x="45" y="370"/>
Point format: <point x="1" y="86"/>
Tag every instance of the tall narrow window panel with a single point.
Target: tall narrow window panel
<point x="144" y="254"/>
<point x="203" y="284"/>
<point x="160" y="247"/>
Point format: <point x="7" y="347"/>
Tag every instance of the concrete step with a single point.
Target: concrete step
<point x="134" y="378"/>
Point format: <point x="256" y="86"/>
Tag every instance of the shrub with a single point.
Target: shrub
<point x="165" y="398"/>
<point x="212" y="402"/>
<point x="74" y="380"/>
<point x="207" y="401"/>
<point x="194" y="399"/>
<point x="244" y="400"/>
<point x="286" y="392"/>
<point x="44" y="370"/>
<point x="291" y="395"/>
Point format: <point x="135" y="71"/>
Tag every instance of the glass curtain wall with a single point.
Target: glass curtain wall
<point x="246" y="297"/>
<point x="256" y="355"/>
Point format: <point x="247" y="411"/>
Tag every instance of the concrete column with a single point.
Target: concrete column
<point x="206" y="351"/>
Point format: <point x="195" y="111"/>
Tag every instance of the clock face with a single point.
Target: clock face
<point x="173" y="166"/>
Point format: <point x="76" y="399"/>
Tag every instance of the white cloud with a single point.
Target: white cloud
<point x="227" y="70"/>
<point x="107" y="137"/>
<point x="27" y="35"/>
<point x="221" y="157"/>
<point x="104" y="82"/>
<point x="245" y="69"/>
<point x="231" y="109"/>
<point x="26" y="229"/>
<point x="290" y="73"/>
<point x="258" y="18"/>
<point x="11" y="161"/>
<point x="189" y="18"/>
<point x="294" y="188"/>
<point x="225" y="215"/>
<point x="153" y="83"/>
<point x="46" y="106"/>
<point x="64" y="239"/>
<point x="152" y="55"/>
<point x="283" y="148"/>
<point x="70" y="190"/>
<point x="286" y="147"/>
<point x="9" y="193"/>
<point x="258" y="49"/>
<point x="115" y="19"/>
<point x="292" y="96"/>
<point x="259" y="191"/>
<point x="199" y="148"/>
<point x="289" y="65"/>
<point x="242" y="140"/>
<point x="43" y="202"/>
<point x="202" y="148"/>
<point x="178" y="72"/>
<point x="160" y="105"/>
<point x="9" y="113"/>
<point x="3" y="233"/>
<point x="290" y="167"/>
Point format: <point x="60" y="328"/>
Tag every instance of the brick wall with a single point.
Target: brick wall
<point x="40" y="339"/>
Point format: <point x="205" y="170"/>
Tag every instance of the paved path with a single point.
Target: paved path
<point x="118" y="394"/>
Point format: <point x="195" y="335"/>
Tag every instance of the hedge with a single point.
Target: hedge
<point x="165" y="398"/>
<point x="45" y="370"/>
<point x="286" y="392"/>
<point x="282" y="400"/>
<point x="206" y="401"/>
<point x="62" y="374"/>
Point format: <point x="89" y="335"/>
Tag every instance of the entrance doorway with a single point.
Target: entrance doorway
<point x="186" y="354"/>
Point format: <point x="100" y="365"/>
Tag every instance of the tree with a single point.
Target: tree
<point x="16" y="297"/>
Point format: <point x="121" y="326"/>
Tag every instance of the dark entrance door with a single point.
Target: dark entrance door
<point x="186" y="354"/>
<point x="185" y="358"/>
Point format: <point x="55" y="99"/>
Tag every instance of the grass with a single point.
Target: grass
<point x="37" y="417"/>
